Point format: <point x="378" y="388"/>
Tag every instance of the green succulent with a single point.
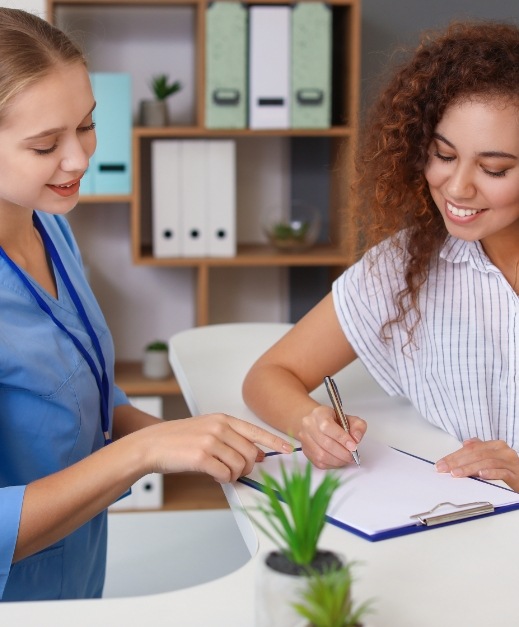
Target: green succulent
<point x="296" y="532"/>
<point x="326" y="599"/>
<point x="296" y="231"/>
<point x="157" y="345"/>
<point x="162" y="88"/>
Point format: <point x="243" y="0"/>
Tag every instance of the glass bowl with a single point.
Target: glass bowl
<point x="295" y="233"/>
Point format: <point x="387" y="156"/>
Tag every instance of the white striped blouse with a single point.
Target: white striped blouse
<point x="461" y="371"/>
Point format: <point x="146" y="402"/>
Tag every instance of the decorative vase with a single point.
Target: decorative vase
<point x="156" y="365"/>
<point x="276" y="591"/>
<point x="153" y="113"/>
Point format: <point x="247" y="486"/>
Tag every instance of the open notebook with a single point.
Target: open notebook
<point x="393" y="493"/>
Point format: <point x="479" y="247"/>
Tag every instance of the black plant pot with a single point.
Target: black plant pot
<point x="323" y="560"/>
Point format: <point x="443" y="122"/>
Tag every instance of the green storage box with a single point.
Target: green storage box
<point x="311" y="81"/>
<point x="226" y="65"/>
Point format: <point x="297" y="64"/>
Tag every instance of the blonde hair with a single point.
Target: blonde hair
<point x="30" y="48"/>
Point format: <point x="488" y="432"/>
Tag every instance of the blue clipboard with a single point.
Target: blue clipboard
<point x="418" y="498"/>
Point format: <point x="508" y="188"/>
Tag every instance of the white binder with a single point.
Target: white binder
<point x="221" y="198"/>
<point x="193" y="184"/>
<point x="165" y="198"/>
<point x="269" y="66"/>
<point x="147" y="492"/>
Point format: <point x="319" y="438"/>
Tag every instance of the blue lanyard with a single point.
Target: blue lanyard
<point x="101" y="378"/>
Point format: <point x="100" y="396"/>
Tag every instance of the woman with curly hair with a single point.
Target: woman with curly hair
<point x="431" y="308"/>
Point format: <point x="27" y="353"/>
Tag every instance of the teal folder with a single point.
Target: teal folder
<point x="311" y="80"/>
<point x="226" y="65"/>
<point x="109" y="171"/>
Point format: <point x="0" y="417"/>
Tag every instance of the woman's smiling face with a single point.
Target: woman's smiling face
<point x="46" y="140"/>
<point x="473" y="169"/>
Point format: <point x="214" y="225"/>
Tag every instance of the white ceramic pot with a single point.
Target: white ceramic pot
<point x="155" y="365"/>
<point x="275" y="595"/>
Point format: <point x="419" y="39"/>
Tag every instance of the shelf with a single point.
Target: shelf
<point x="331" y="148"/>
<point x="129" y="377"/>
<point x="253" y="255"/>
<point x="150" y="3"/>
<point x="192" y="491"/>
<point x="106" y="198"/>
<point x="198" y="131"/>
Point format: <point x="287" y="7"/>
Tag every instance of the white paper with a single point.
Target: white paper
<point x="389" y="488"/>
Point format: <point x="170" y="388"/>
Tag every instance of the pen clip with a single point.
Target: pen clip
<point x="335" y="398"/>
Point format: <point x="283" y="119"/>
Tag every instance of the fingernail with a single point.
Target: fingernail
<point x="457" y="472"/>
<point x="351" y="446"/>
<point x="357" y="435"/>
<point x="441" y="466"/>
<point x="288" y="448"/>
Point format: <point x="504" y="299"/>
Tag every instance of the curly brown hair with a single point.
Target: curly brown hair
<point x="468" y="59"/>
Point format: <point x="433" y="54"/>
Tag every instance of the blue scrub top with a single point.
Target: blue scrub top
<point x="49" y="419"/>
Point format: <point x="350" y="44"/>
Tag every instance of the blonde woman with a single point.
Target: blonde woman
<point x="70" y="443"/>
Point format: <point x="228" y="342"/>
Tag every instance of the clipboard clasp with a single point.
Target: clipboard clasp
<point x="456" y="512"/>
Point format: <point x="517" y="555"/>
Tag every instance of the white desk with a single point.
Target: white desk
<point x="458" y="576"/>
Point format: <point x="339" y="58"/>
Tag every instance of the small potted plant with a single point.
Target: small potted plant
<point x="155" y="112"/>
<point x="295" y="529"/>
<point x="326" y="599"/>
<point x="156" y="364"/>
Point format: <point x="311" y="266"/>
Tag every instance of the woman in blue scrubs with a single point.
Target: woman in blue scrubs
<point x="70" y="443"/>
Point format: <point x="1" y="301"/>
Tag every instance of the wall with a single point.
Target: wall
<point x="383" y="30"/>
<point x="141" y="303"/>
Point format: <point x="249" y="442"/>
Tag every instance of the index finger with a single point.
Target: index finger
<point x="258" y="435"/>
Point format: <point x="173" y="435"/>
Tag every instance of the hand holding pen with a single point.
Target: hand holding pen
<point x="335" y="399"/>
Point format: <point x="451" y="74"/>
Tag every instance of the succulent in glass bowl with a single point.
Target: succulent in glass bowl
<point x="295" y="233"/>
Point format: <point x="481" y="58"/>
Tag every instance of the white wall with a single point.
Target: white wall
<point x="34" y="6"/>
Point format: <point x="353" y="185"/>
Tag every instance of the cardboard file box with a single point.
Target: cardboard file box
<point x="221" y="198"/>
<point x="109" y="171"/>
<point x="226" y="65"/>
<point x="193" y="197"/>
<point x="311" y="76"/>
<point x="269" y="66"/>
<point x="165" y="198"/>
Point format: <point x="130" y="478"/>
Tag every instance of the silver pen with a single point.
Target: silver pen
<point x="335" y="398"/>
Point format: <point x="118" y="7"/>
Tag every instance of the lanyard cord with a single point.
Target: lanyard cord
<point x="101" y="379"/>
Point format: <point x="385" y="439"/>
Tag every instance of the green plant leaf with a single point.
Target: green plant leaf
<point x="157" y="345"/>
<point x="326" y="600"/>
<point x="298" y="524"/>
<point x="162" y="88"/>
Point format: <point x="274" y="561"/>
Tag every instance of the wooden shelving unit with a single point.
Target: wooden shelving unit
<point x="341" y="137"/>
<point x="128" y="376"/>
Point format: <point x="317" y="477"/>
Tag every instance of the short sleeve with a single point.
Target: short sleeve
<point x="11" y="500"/>
<point x="120" y="397"/>
<point x="363" y="301"/>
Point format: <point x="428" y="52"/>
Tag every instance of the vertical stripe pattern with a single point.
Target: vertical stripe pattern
<point x="461" y="371"/>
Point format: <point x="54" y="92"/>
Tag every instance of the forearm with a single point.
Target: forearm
<point x="128" y="419"/>
<point x="278" y="397"/>
<point x="219" y="445"/>
<point x="56" y="505"/>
